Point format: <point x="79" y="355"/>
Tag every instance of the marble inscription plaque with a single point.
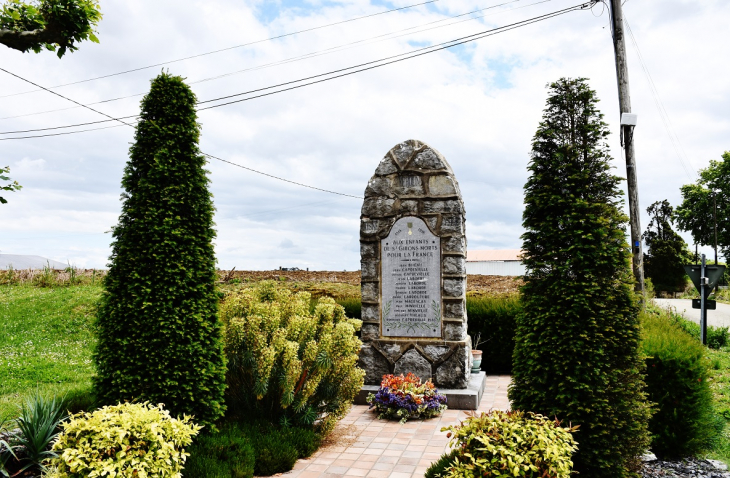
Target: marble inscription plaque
<point x="411" y="281"/>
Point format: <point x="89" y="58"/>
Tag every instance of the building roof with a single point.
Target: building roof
<point x="494" y="255"/>
<point x="28" y="262"/>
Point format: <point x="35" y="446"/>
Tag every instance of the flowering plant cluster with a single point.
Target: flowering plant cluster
<point x="403" y="397"/>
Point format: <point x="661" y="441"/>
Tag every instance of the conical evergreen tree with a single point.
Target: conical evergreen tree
<point x="577" y="342"/>
<point x="667" y="252"/>
<point x="159" y="334"/>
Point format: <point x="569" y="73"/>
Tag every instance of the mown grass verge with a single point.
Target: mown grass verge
<point x="46" y="340"/>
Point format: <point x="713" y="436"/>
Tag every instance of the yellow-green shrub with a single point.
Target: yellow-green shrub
<point x="285" y="363"/>
<point x="514" y="444"/>
<point x="127" y="440"/>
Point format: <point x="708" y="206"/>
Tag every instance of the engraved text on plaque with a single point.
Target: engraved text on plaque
<point x="411" y="281"/>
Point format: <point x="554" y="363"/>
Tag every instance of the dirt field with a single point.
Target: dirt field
<point x="332" y="283"/>
<point x="476" y="284"/>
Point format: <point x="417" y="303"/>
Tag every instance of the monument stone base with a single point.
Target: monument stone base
<point x="457" y="399"/>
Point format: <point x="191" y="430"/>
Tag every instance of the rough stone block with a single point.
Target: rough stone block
<point x="369" y="269"/>
<point x="413" y="362"/>
<point x="369" y="227"/>
<point x="454" y="331"/>
<point x="409" y="206"/>
<point x="369" y="292"/>
<point x="441" y="186"/>
<point x="454" y="244"/>
<point x="410" y="185"/>
<point x="433" y="222"/>
<point x="454" y="310"/>
<point x="403" y="152"/>
<point x="369" y="332"/>
<point x="370" y="313"/>
<point x="391" y="351"/>
<point x="387" y="166"/>
<point x="452" y="224"/>
<point x="454" y="287"/>
<point x="369" y="250"/>
<point x="454" y="265"/>
<point x="429" y="159"/>
<point x="445" y="206"/>
<point x="454" y="372"/>
<point x="379" y="186"/>
<point x="436" y="352"/>
<point x="378" y="207"/>
<point x="374" y="364"/>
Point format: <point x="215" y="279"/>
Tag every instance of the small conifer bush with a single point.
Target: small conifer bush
<point x="677" y="372"/>
<point x="286" y="364"/>
<point x="159" y="337"/>
<point x="577" y="339"/>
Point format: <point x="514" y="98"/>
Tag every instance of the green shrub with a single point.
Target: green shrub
<point x="577" y="343"/>
<point x="514" y="444"/>
<point x="288" y="365"/>
<point x="273" y="454"/>
<point x="684" y="421"/>
<point x="717" y="337"/>
<point x="159" y="338"/>
<point x="352" y="306"/>
<point x="120" y="439"/>
<point x="225" y="454"/>
<point x="304" y="440"/>
<point x="440" y="466"/>
<point x="495" y="319"/>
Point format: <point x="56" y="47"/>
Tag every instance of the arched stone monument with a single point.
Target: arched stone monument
<point x="413" y="262"/>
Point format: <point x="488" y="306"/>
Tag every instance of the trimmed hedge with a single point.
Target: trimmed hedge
<point x="227" y="454"/>
<point x="494" y="317"/>
<point x="684" y="422"/>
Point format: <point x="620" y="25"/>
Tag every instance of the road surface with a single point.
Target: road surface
<point x="717" y="318"/>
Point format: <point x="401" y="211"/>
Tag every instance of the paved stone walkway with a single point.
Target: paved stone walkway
<point x="376" y="448"/>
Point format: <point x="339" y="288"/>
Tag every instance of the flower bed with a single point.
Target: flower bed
<point x="404" y="397"/>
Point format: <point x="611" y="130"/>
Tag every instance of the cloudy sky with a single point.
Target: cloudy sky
<point x="479" y="104"/>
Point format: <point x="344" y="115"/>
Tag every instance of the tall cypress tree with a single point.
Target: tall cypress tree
<point x="667" y="252"/>
<point x="159" y="334"/>
<point x="577" y="342"/>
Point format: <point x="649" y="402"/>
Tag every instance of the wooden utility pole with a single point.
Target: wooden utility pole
<point x="627" y="141"/>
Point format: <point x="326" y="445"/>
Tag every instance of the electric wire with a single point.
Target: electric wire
<point x="362" y="66"/>
<point x="279" y="178"/>
<point x="130" y="125"/>
<point x="225" y="49"/>
<point x="673" y="138"/>
<point x="306" y="56"/>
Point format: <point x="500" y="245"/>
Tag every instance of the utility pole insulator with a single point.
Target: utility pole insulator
<point x="627" y="140"/>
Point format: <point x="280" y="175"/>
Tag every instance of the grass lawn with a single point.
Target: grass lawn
<point x="46" y="340"/>
<point x="720" y="384"/>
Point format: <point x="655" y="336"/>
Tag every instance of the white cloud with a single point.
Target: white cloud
<point x="479" y="106"/>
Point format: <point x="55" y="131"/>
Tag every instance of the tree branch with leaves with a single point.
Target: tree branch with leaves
<point x="55" y="25"/>
<point x="13" y="186"/>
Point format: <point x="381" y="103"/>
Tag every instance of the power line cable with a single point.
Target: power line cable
<point x="314" y="54"/>
<point x="663" y="114"/>
<point x="279" y="178"/>
<point x="64" y="97"/>
<point x="203" y="153"/>
<point x="368" y="65"/>
<point x="226" y="49"/>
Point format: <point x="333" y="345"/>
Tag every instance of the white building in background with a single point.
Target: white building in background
<point x="504" y="262"/>
<point x="18" y="262"/>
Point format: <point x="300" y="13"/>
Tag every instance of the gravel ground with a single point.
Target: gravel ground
<point x="686" y="468"/>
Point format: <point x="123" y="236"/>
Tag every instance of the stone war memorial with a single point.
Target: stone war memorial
<point x="413" y="263"/>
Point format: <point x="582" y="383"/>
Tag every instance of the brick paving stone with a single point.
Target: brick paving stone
<point x="385" y="449"/>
